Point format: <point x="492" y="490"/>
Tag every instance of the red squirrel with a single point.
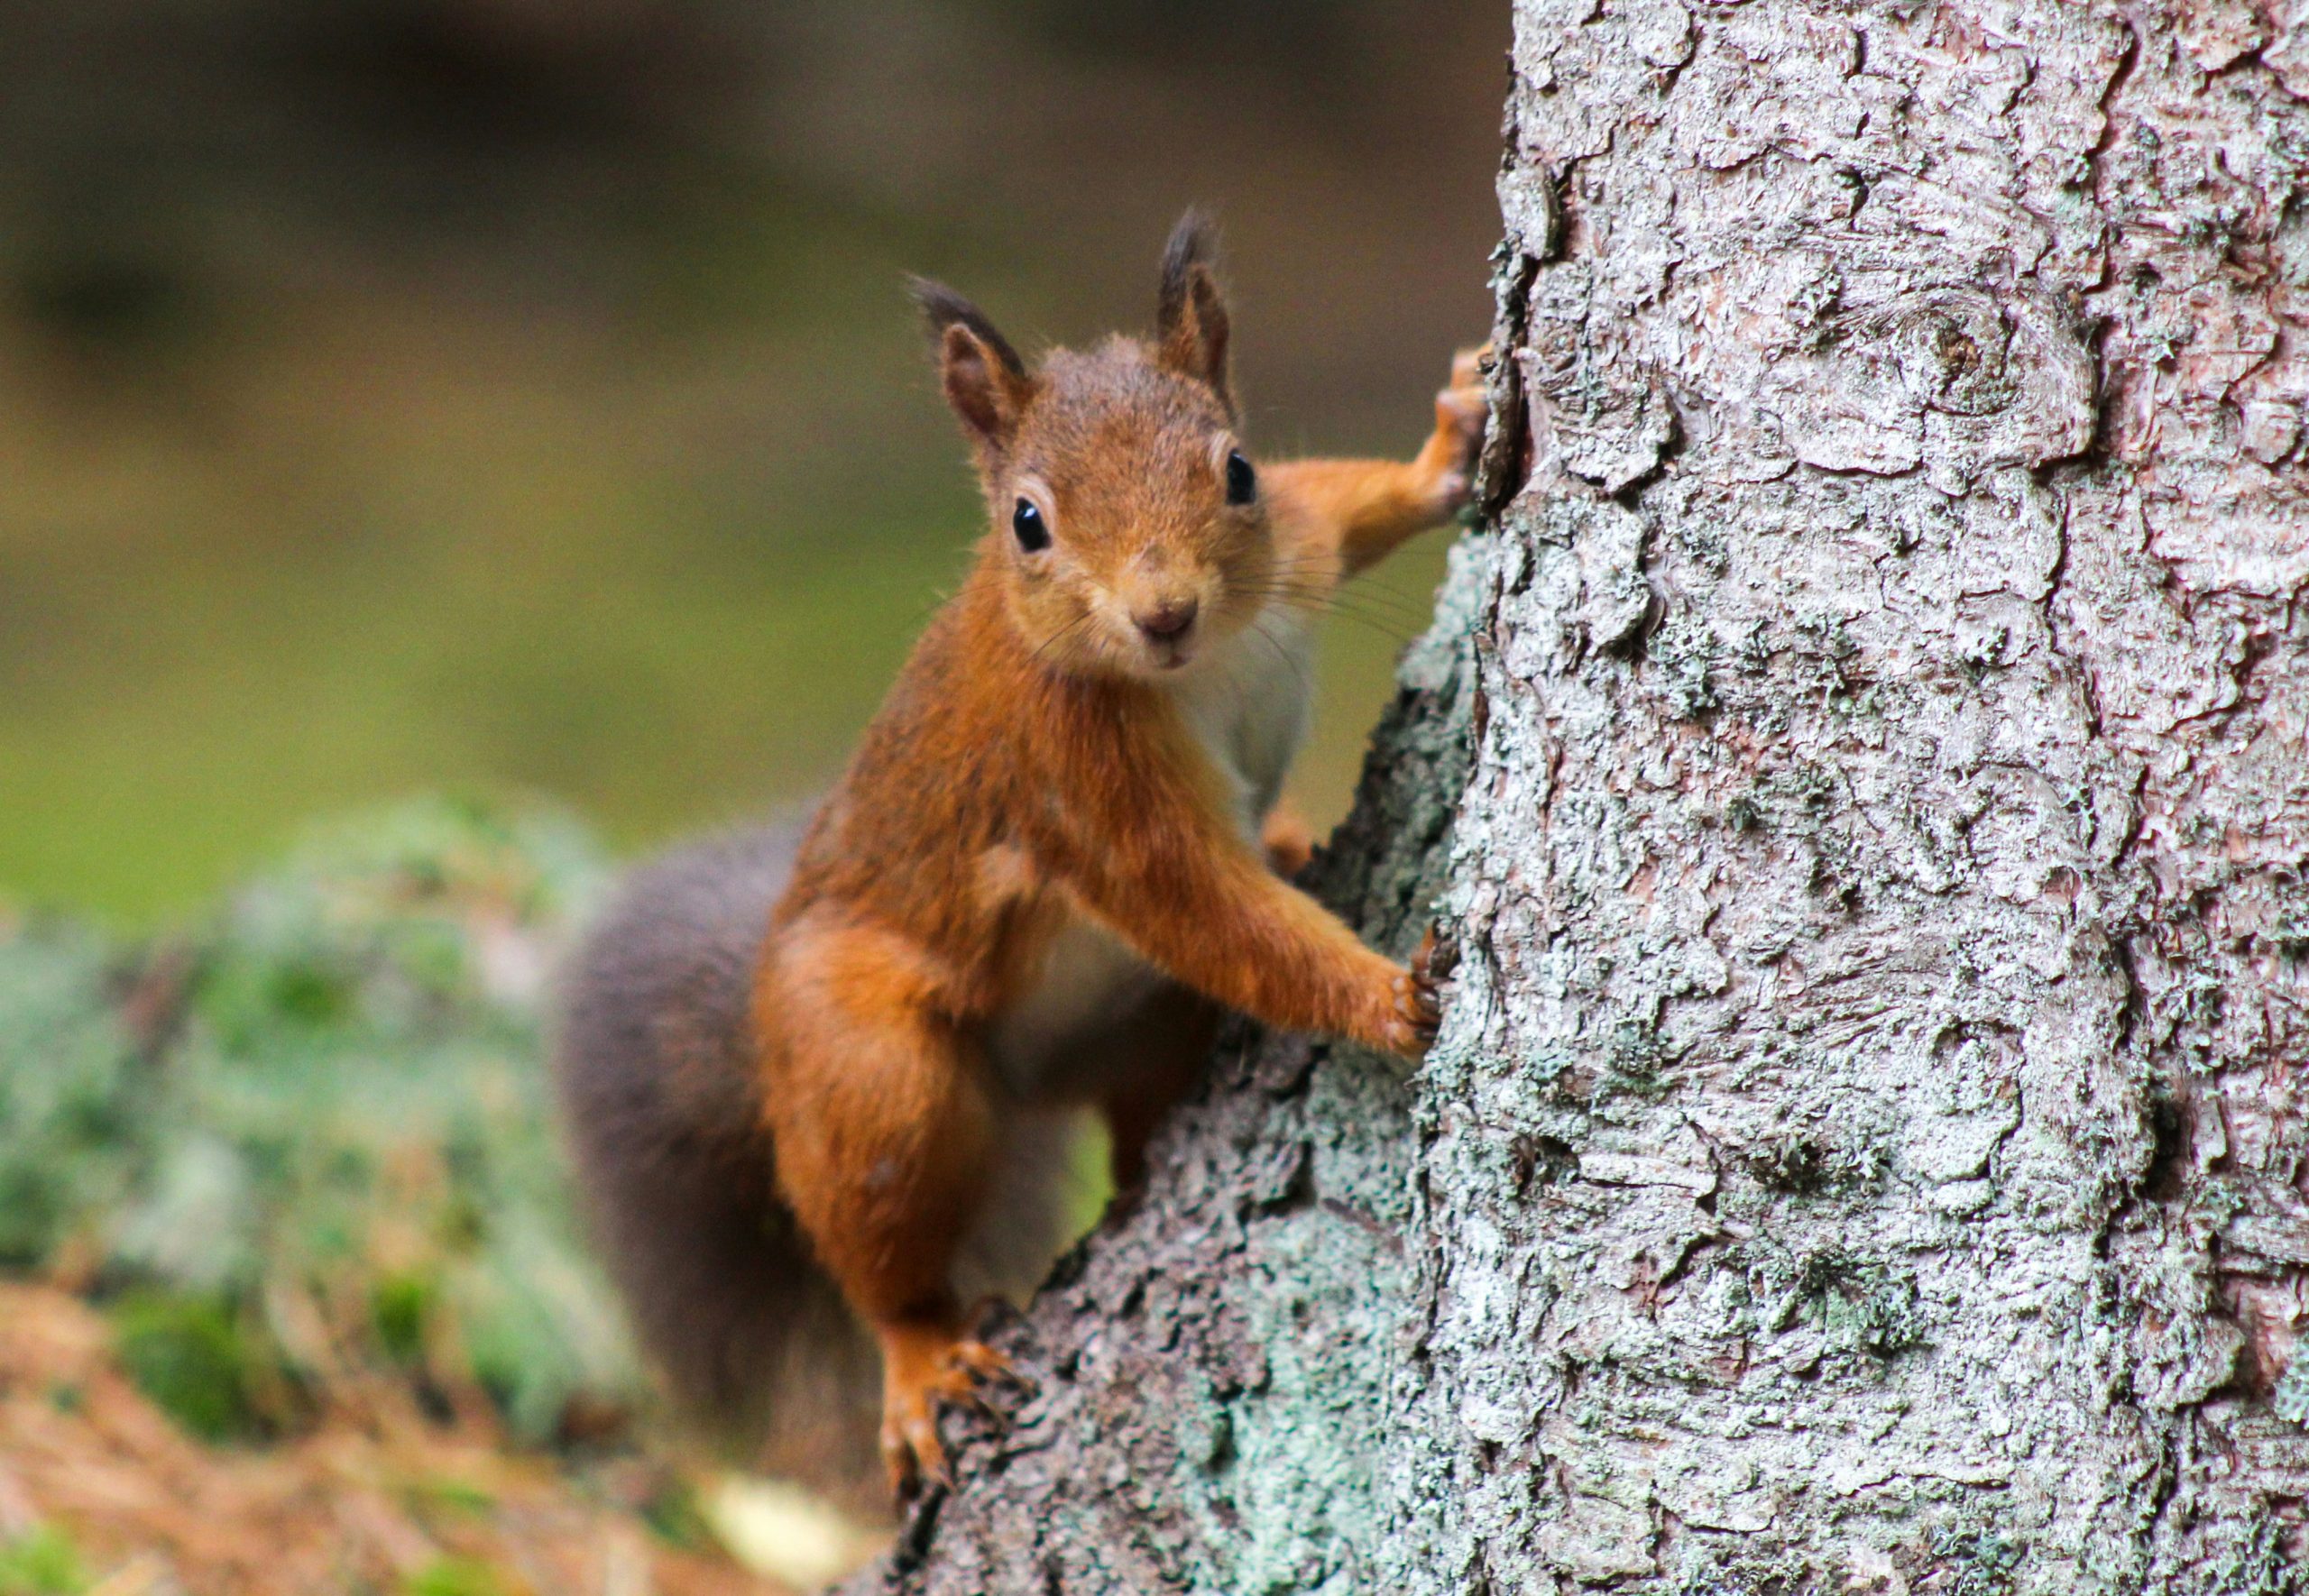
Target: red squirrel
<point x="815" y="1079"/>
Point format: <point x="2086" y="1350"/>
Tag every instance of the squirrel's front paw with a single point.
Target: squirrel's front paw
<point x="1460" y="412"/>
<point x="1416" y="1009"/>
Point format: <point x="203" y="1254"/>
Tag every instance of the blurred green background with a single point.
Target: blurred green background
<point x="518" y="396"/>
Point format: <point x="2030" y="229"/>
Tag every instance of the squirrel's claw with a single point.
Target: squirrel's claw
<point x="1460" y="411"/>
<point x="979" y="1367"/>
<point x="1466" y="366"/>
<point x="964" y="1376"/>
<point x="1418" y="1003"/>
<point x="1411" y="1006"/>
<point x="912" y="1452"/>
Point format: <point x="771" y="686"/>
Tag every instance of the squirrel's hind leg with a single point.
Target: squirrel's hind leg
<point x="888" y="1136"/>
<point x="1163" y="1052"/>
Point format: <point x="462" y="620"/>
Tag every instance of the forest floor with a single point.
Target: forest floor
<point x="101" y="1491"/>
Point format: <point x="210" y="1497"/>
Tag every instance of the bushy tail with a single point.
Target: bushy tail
<point x="658" y="1086"/>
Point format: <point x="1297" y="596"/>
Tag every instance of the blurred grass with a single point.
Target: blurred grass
<point x="403" y="396"/>
<point x="43" y="1563"/>
<point x="509" y="587"/>
<point x="527" y="563"/>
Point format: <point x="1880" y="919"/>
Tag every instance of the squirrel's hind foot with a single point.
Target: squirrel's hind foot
<point x="924" y="1373"/>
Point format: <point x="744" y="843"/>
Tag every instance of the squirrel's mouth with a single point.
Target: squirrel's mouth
<point x="1170" y="654"/>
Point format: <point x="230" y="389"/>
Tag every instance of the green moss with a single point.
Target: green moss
<point x="192" y="1359"/>
<point x="674" y="1516"/>
<point x="455" y="1576"/>
<point x="445" y="1495"/>
<point x="74" y="1119"/>
<point x="345" y="1106"/>
<point x="398" y="1307"/>
<point x="43" y="1563"/>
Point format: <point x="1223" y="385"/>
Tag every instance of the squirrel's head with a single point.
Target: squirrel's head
<point x="1129" y="530"/>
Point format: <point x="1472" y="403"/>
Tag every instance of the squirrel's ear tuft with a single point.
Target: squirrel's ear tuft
<point x="985" y="381"/>
<point x="1191" y="320"/>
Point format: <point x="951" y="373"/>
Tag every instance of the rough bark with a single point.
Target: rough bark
<point x="1864" y="770"/>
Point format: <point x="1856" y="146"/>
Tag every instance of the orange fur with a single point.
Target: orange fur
<point x="1032" y="769"/>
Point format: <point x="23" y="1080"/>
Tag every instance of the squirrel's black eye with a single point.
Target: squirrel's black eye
<point x="1027" y="521"/>
<point x="1242" y="481"/>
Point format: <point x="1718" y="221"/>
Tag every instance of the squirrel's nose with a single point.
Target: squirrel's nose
<point x="1167" y="620"/>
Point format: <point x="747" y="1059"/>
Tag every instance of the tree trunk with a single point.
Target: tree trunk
<point x="1862" y="769"/>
